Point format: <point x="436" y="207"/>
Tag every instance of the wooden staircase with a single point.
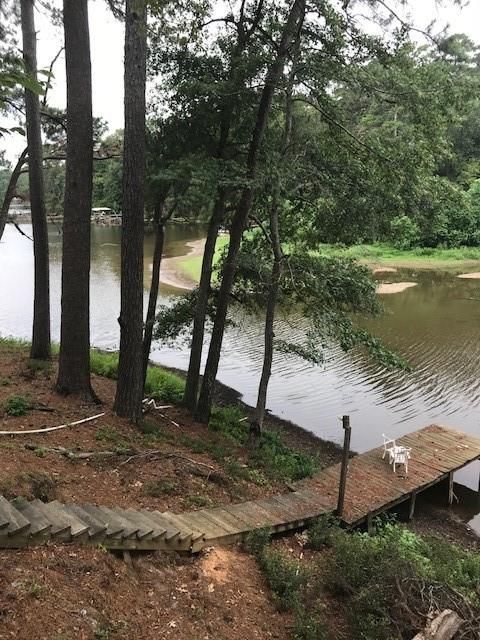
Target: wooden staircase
<point x="372" y="488"/>
<point x="24" y="523"/>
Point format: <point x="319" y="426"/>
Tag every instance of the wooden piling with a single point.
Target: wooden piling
<point x="450" y="488"/>
<point x="411" y="510"/>
<point x="343" y="473"/>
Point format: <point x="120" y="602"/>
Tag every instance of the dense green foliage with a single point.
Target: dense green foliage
<point x="380" y="581"/>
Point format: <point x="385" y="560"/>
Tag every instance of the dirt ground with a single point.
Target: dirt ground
<point x="67" y="592"/>
<point x="173" y="476"/>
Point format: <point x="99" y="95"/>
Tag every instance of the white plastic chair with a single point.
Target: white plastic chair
<point x="400" y="455"/>
<point x="386" y="448"/>
<point x="397" y="454"/>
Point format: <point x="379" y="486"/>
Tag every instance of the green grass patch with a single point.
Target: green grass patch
<point x="192" y="265"/>
<point x="104" y="363"/>
<point x="108" y="434"/>
<point x="164" y="385"/>
<point x="7" y="342"/>
<point x="273" y="457"/>
<point x="39" y="366"/>
<point x="160" y="384"/>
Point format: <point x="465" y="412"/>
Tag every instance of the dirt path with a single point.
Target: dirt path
<point x="171" y="272"/>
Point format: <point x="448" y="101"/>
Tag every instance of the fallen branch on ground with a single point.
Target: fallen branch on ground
<point x="150" y="402"/>
<point x="49" y="429"/>
<point x="156" y="454"/>
<point x="442" y="627"/>
<point x="78" y="455"/>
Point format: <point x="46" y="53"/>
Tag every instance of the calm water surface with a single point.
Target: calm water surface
<point x="434" y="325"/>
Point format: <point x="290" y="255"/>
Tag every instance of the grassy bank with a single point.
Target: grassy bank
<point x="421" y="257"/>
<point x="192" y="265"/>
<point x="374" y="255"/>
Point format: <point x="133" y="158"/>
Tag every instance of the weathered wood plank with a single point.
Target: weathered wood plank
<point x="17" y="523"/>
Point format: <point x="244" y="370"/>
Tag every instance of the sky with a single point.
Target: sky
<point x="106" y="35"/>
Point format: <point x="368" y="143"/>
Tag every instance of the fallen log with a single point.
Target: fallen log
<point x="442" y="627"/>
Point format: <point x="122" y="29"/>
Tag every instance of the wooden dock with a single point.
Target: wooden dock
<point x="371" y="488"/>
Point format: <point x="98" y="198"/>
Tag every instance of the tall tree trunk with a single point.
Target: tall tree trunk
<point x="74" y="360"/>
<point x="128" y="399"/>
<point x="10" y="190"/>
<point x="159" y="226"/>
<point x="237" y="81"/>
<point x="242" y="211"/>
<point x="196" y="348"/>
<point x="41" y="305"/>
<point x="256" y="425"/>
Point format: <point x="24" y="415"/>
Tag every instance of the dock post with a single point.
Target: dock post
<point x="411" y="510"/>
<point x="450" y="488"/>
<point x="344" y="469"/>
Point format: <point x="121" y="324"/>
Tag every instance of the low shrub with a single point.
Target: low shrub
<point x="285" y="576"/>
<point x="42" y="486"/>
<point x="198" y="501"/>
<point x="104" y="363"/>
<point x="17" y="406"/>
<point x="159" y="488"/>
<point x="382" y="579"/>
<point x="322" y="531"/>
<point x="160" y="384"/>
<point x="39" y="366"/>
<point x="256" y="541"/>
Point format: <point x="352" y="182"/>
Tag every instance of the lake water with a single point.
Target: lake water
<point x="435" y="325"/>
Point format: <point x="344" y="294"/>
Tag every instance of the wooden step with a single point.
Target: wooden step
<point x="172" y="533"/>
<point x="39" y="524"/>
<point x="17" y="524"/>
<point x="144" y="528"/>
<point x="96" y="528"/>
<point x="114" y="530"/>
<point x="64" y="525"/>
<point x="129" y="528"/>
<point x="186" y="530"/>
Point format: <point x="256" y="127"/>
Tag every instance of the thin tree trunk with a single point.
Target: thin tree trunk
<point x="159" y="226"/>
<point x="41" y="304"/>
<point x="74" y="359"/>
<point x="256" y="425"/>
<point x="128" y="399"/>
<point x="274" y="287"/>
<point x="10" y="191"/>
<point x="237" y="80"/>
<point x="196" y="348"/>
<point x="242" y="211"/>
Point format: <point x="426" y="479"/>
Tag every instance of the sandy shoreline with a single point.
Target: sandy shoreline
<point x="171" y="272"/>
<point x="394" y="287"/>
